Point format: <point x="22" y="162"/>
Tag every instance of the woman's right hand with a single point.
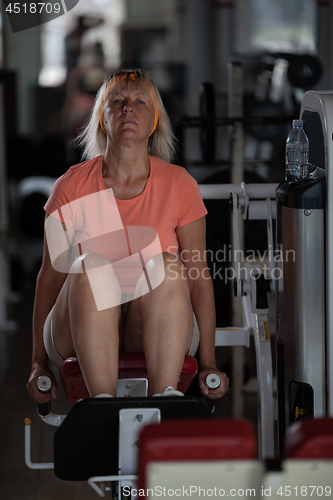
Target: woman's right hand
<point x="39" y="369"/>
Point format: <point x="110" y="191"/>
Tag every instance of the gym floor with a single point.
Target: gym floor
<point x="17" y="482"/>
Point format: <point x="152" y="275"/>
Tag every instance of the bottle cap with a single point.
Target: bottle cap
<point x="297" y="123"/>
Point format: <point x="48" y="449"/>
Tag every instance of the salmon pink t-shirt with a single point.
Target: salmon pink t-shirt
<point x="144" y="225"/>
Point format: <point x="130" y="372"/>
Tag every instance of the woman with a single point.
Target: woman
<point x="92" y="308"/>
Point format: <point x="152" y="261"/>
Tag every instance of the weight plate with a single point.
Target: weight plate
<point x="304" y="71"/>
<point x="208" y="115"/>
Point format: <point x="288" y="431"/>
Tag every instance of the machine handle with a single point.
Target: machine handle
<point x="44" y="384"/>
<point x="213" y="381"/>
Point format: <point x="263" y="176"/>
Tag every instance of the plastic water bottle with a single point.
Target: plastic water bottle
<point x="297" y="153"/>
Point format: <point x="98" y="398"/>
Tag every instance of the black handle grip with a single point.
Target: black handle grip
<point x="44" y="409"/>
<point x="44" y="385"/>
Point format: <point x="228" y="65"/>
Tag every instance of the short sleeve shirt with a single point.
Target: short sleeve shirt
<point x="170" y="199"/>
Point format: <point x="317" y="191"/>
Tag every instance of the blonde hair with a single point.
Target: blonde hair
<point x="161" y="143"/>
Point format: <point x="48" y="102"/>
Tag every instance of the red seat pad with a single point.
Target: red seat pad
<point x="310" y="438"/>
<point x="131" y="365"/>
<point x="196" y="440"/>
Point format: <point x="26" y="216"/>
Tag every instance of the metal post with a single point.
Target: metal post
<point x="199" y="50"/>
<point x="4" y="281"/>
<point x="235" y="109"/>
<point x="27" y="449"/>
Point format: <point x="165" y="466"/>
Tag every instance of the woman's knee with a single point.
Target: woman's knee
<point x="93" y="270"/>
<point x="87" y="262"/>
<point x="165" y="273"/>
<point x="174" y="268"/>
<point x="166" y="265"/>
<point x="154" y="273"/>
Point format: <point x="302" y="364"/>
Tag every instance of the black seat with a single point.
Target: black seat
<point x="86" y="443"/>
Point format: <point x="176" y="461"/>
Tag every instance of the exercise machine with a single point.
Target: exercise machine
<point x="98" y="440"/>
<point x="304" y="303"/>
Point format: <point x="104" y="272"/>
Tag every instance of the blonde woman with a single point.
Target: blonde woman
<point x="125" y="204"/>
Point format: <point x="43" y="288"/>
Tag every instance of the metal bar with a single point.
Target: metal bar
<point x="248" y="316"/>
<point x="27" y="449"/>
<point x="3" y="174"/>
<point x="270" y="240"/>
<point x="5" y="324"/>
<point x="53" y="419"/>
<point x="236" y="237"/>
<point x="232" y="336"/>
<point x="265" y="390"/>
<point x="235" y="109"/>
<point x="263" y="210"/>
<point x="197" y="121"/>
<point x="97" y="479"/>
<point x="223" y="191"/>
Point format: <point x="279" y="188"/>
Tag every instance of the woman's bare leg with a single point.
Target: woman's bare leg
<point x="161" y="324"/>
<point x="86" y="322"/>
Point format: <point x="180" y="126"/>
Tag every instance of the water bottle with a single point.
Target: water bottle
<point x="297" y="153"/>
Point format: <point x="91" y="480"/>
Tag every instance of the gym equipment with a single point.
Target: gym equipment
<point x="262" y="121"/>
<point x="304" y="303"/>
<point x="269" y="130"/>
<point x="265" y="116"/>
<point x="220" y="454"/>
<point x="301" y="235"/>
<point x="310" y="438"/>
<point x="254" y="201"/>
<point x="77" y="457"/>
<point x="308" y="457"/>
<point x="306" y="464"/>
<point x="44" y="384"/>
<point x="304" y="70"/>
<point x="80" y="452"/>
<point x="208" y="130"/>
<point x="5" y="324"/>
<point x="131" y="366"/>
<point x="304" y="298"/>
<point x="213" y="381"/>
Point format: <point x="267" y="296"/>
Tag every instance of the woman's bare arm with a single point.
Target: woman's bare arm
<point x="48" y="285"/>
<point x="192" y="246"/>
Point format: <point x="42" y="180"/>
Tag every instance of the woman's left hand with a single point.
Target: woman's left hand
<point x="217" y="393"/>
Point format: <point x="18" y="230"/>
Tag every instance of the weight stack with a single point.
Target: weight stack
<point x="301" y="299"/>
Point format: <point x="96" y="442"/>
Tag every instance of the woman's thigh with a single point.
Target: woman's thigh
<point x="76" y="300"/>
<point x="61" y="325"/>
<point x="173" y="285"/>
<point x="132" y="327"/>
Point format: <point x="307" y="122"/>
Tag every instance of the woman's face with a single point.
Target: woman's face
<point x="128" y="113"/>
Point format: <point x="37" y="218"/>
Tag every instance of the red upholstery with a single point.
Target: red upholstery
<point x="197" y="440"/>
<point x="131" y="365"/>
<point x="310" y="438"/>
